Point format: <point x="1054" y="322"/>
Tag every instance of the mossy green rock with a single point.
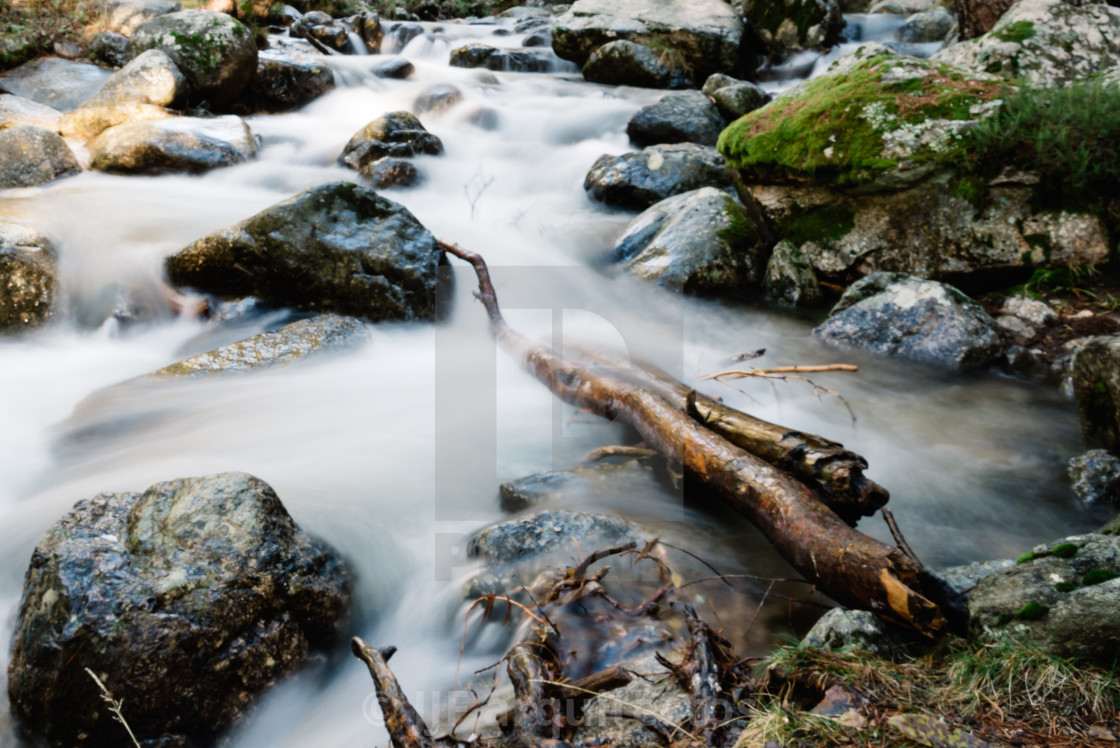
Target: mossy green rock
<point x="880" y="123"/>
<point x="27" y="278"/>
<point x="187" y="600"/>
<point x="1095" y="374"/>
<point x="337" y="247"/>
<point x="215" y="52"/>
<point x="1046" y="601"/>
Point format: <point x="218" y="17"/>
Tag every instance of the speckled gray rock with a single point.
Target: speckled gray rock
<point x="155" y="146"/>
<point x="927" y="26"/>
<point x="326" y="333"/>
<point x="896" y="315"/>
<point x="785" y="26"/>
<point x="1043" y="43"/>
<point x="151" y="77"/>
<point x="1096" y="477"/>
<point x="738" y="99"/>
<point x="583" y="485"/>
<point x="16" y="110"/>
<point x="638" y="180"/>
<point x="398" y="134"/>
<point x="961" y="579"/>
<point x="679" y="117"/>
<point x="290" y="73"/>
<point x="1095" y="376"/>
<point x="27" y="277"/>
<point x="31" y="155"/>
<point x="389" y="172"/>
<point x="704" y="34"/>
<point x="1032" y="311"/>
<point x="790" y="277"/>
<point x="87" y="122"/>
<point x="627" y="63"/>
<point x="109" y="47"/>
<point x="214" y="51"/>
<point x="124" y="16"/>
<point x="1067" y="605"/>
<point x="541" y="533"/>
<point x="857" y="629"/>
<point x="57" y="83"/>
<point x="699" y="242"/>
<point x="188" y="600"/>
<point x="336" y="247"/>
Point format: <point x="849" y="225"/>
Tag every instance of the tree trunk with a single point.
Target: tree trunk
<point x="976" y="17"/>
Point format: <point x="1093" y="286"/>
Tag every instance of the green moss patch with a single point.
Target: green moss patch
<point x="1096" y="576"/>
<point x="1065" y="550"/>
<point x="1065" y="587"/>
<point x="819" y="224"/>
<point x="1017" y="32"/>
<point x="1032" y="611"/>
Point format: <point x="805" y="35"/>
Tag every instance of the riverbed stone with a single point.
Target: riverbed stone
<point x="397" y="134"/>
<point x="597" y="483"/>
<point x="841" y="628"/>
<point x="925" y="321"/>
<point x="57" y="83"/>
<point x="31" y="155"/>
<point x="1043" y="43"/>
<point x="290" y="73"/>
<point x="87" y="122"/>
<point x="28" y="279"/>
<point x="1062" y="597"/>
<point x="151" y="77"/>
<point x="738" y="99"/>
<point x="699" y="242"/>
<point x="368" y="26"/>
<point x="789" y="276"/>
<point x="627" y="63"/>
<point x="108" y="47"/>
<point x="187" y="600"/>
<point x="703" y="36"/>
<point x="1096" y="477"/>
<point x="476" y="55"/>
<point x="16" y="110"/>
<point x="638" y="180"/>
<point x="786" y="26"/>
<point x="336" y="247"/>
<point x="156" y="146"/>
<point x="437" y="98"/>
<point x="319" y="26"/>
<point x="679" y="117"/>
<point x="928" y="26"/>
<point x="393" y="67"/>
<point x="215" y="52"/>
<point x="388" y="172"/>
<point x="1095" y="376"/>
<point x="124" y="16"/>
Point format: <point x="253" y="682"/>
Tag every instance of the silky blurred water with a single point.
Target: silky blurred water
<point x="393" y="453"/>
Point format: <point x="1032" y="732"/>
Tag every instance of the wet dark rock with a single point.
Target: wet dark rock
<point x="31" y="155"/>
<point x="542" y="37"/>
<point x="367" y="26"/>
<point x="734" y="101"/>
<point x="188" y="600"/>
<point x="1095" y="374"/>
<point x="150" y="78"/>
<point x="27" y="278"/>
<point x="190" y="144"/>
<point x="390" y="172"/>
<point x="124" y="16"/>
<point x="336" y="247"/>
<point x="679" y="117"/>
<point x="406" y="32"/>
<point x="789" y="276"/>
<point x="896" y="315"/>
<point x="781" y="28"/>
<point x="109" y="47"/>
<point x="638" y="180"/>
<point x="626" y="63"/>
<point x="699" y="242"/>
<point x="437" y="98"/>
<point x="1096" y="477"/>
<point x="57" y="83"/>
<point x="215" y="52"/>
<point x="397" y="134"/>
<point x="928" y="26"/>
<point x="1062" y="597"/>
<point x="394" y="67"/>
<point x="290" y="73"/>
<point x="509" y="60"/>
<point x="324" y="29"/>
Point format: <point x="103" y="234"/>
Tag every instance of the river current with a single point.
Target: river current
<point x="394" y="453"/>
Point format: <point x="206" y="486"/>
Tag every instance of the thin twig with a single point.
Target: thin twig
<point x="888" y="515"/>
<point x="114" y="706"/>
<point x="742" y="373"/>
<point x="478" y="704"/>
<point x="617" y="451"/>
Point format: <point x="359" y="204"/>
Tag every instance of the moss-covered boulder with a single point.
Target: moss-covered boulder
<point x="27" y="277"/>
<point x="1095" y="374"/>
<point x="1043" y="43"/>
<point x="216" y="53"/>
<point x="186" y="600"/>
<point x="638" y="180"/>
<point x="337" y="247"/>
<point x="785" y="26"/>
<point x="700" y="37"/>
<point x="877" y="123"/>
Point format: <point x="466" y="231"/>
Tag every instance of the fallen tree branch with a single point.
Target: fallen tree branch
<point x="854" y="569"/>
<point x="405" y="726"/>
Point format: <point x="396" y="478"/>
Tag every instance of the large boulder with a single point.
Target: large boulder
<point x="124" y="16"/>
<point x="190" y="144"/>
<point x="215" y="52"/>
<point x="896" y="315"/>
<point x="31" y="155"/>
<point x="785" y="26"/>
<point x="57" y="83"/>
<point x="734" y="98"/>
<point x="699" y="36"/>
<point x="1043" y="43"/>
<point x="679" y="117"/>
<point x="475" y="55"/>
<point x="638" y="180"/>
<point x="27" y="277"/>
<point x="627" y="63"/>
<point x="699" y="242"/>
<point x="1062" y="598"/>
<point x="151" y="77"/>
<point x="87" y="122"/>
<point x="335" y="247"/>
<point x="16" y="110"/>
<point x="186" y="600"/>
<point x="397" y="134"/>
<point x="1095" y="374"/>
<point x="290" y="73"/>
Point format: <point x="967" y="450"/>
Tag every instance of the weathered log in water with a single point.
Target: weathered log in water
<point x="850" y="567"/>
<point x="406" y="727"/>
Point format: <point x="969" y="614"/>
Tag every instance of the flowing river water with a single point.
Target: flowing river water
<point x="393" y="453"/>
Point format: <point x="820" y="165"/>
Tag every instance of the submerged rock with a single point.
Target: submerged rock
<point x="896" y="315"/>
<point x="187" y="600"/>
<point x="397" y="134"/>
<point x="1062" y="597"/>
<point x="57" y="83"/>
<point x="390" y="172"/>
<point x="1096" y="477"/>
<point x="638" y="180"/>
<point x="680" y="117"/>
<point x="155" y="146"/>
<point x="27" y="278"/>
<point x="336" y="247"/>
<point x="1095" y="374"/>
<point x="31" y="155"/>
<point x="595" y="483"/>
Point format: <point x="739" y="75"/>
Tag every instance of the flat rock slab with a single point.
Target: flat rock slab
<point x="57" y="83"/>
<point x="16" y="110"/>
